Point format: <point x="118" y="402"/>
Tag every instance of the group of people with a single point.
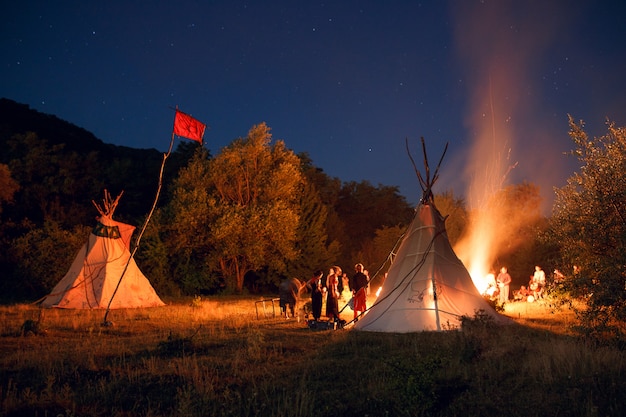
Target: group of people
<point x="330" y="287"/>
<point x="535" y="289"/>
<point x="499" y="287"/>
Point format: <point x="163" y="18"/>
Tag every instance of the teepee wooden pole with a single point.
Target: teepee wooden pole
<point x="426" y="167"/>
<point x="436" y="174"/>
<point x="417" y="171"/>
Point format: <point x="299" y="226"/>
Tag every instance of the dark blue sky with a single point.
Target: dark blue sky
<point x="345" y="81"/>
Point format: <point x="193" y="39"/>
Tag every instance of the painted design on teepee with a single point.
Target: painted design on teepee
<point x="417" y="297"/>
<point x="104" y="273"/>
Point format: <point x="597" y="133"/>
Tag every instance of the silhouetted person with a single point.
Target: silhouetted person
<point x="288" y="292"/>
<point x="332" y="294"/>
<point x="315" y="285"/>
<point x="358" y="285"/>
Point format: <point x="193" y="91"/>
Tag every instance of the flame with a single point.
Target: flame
<point x="479" y="249"/>
<point x="499" y="65"/>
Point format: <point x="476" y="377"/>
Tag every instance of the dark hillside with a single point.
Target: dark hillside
<point x="16" y="118"/>
<point x="65" y="153"/>
<point x="60" y="169"/>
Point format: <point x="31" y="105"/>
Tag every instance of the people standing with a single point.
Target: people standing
<point x="288" y="292"/>
<point x="345" y="293"/>
<point x="504" y="283"/>
<point x="358" y="285"/>
<point x="332" y="294"/>
<point x="315" y="285"/>
<point x="367" y="275"/>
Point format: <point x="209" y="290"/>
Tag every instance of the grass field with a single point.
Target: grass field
<point x="214" y="357"/>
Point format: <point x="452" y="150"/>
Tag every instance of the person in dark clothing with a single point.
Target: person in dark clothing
<point x="332" y="296"/>
<point x="288" y="292"/>
<point x="358" y="285"/>
<point x="314" y="284"/>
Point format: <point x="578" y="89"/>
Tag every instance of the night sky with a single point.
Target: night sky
<point x="344" y="81"/>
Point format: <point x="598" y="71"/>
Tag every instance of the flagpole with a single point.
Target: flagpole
<point x="143" y="229"/>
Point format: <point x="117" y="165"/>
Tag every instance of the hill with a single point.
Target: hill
<point x="16" y="118"/>
<point x="73" y="164"/>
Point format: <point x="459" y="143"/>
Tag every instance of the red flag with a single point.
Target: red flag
<point x="188" y="127"/>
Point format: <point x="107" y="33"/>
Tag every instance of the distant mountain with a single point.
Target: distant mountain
<point x="17" y="118"/>
<point x="74" y="155"/>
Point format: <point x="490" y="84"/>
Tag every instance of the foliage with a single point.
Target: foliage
<point x="365" y="209"/>
<point x="453" y="210"/>
<point x="60" y="168"/>
<point x="42" y="257"/>
<point x="311" y="241"/>
<point x="380" y="250"/>
<point x="518" y="208"/>
<point x="255" y="186"/>
<point x="256" y="206"/>
<point x="50" y="179"/>
<point x="55" y="169"/>
<point x="153" y="258"/>
<point x="184" y="226"/>
<point x="510" y="222"/>
<point x="328" y="190"/>
<point x="237" y="212"/>
<point x="589" y="225"/>
<point x="8" y="186"/>
<point x="521" y="227"/>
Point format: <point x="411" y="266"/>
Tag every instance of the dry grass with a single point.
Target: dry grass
<point x="539" y="315"/>
<point x="214" y="357"/>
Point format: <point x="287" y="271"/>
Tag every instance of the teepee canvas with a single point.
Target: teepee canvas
<point x="427" y="286"/>
<point x="102" y="263"/>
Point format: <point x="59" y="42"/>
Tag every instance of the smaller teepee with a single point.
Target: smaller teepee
<point x="104" y="272"/>
<point x="427" y="286"/>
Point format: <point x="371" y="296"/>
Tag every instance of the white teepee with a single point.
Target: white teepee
<point x="102" y="263"/>
<point x="427" y="286"/>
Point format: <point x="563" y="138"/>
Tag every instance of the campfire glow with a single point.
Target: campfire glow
<point x="480" y="248"/>
<point x="500" y="85"/>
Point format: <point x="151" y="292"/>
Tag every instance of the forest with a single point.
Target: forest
<point x="52" y="171"/>
<point x="242" y="220"/>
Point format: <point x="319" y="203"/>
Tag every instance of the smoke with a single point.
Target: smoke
<point x="500" y="45"/>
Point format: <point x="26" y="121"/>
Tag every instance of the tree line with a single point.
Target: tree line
<point x="255" y="213"/>
<point x="238" y="221"/>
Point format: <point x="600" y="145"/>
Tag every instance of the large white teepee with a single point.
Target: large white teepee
<point x="99" y="266"/>
<point x="427" y="286"/>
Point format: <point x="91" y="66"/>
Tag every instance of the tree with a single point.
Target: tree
<point x="159" y="262"/>
<point x="380" y="251"/>
<point x="518" y="225"/>
<point x="8" y="186"/>
<point x="327" y="189"/>
<point x="589" y="225"/>
<point x="41" y="258"/>
<point x="55" y="184"/>
<point x="311" y="242"/>
<point x="317" y="240"/>
<point x="256" y="188"/>
<point x="365" y="209"/>
<point x="186" y="226"/>
<point x="453" y="209"/>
